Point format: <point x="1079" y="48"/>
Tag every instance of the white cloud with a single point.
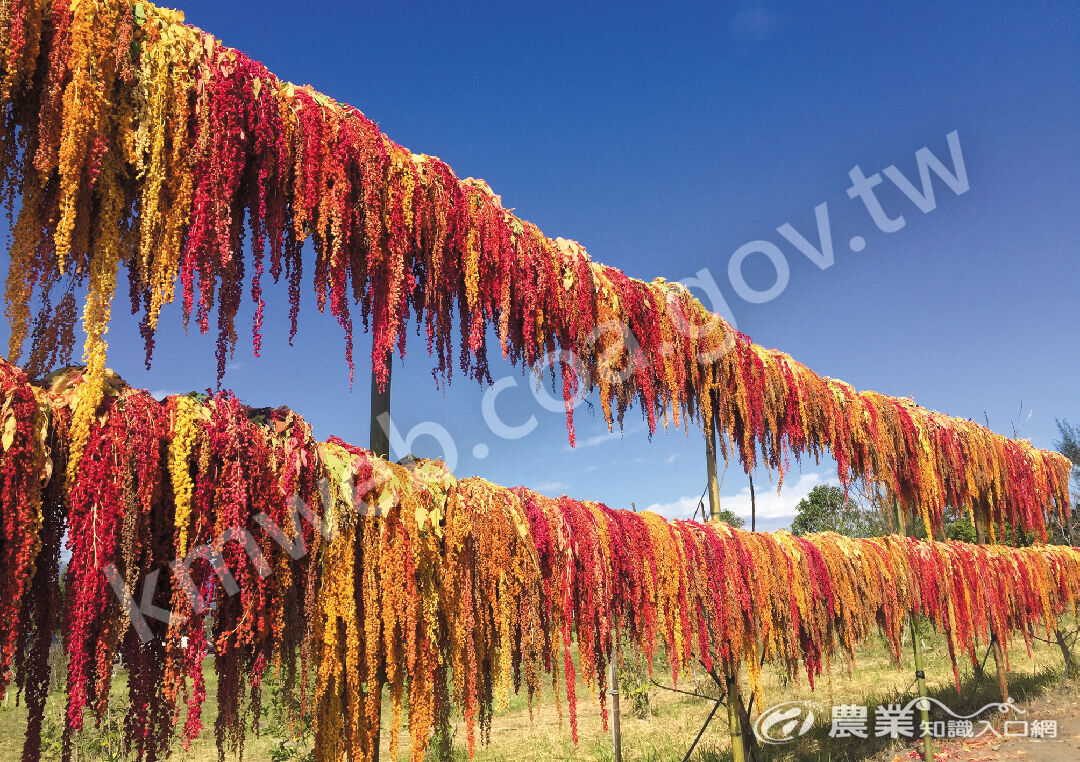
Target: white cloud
<point x="594" y="440"/>
<point x="683" y="508"/>
<point x="605" y="436"/>
<point x="160" y="394"/>
<point x="771" y="507"/>
<point x="550" y="487"/>
<point x="671" y="458"/>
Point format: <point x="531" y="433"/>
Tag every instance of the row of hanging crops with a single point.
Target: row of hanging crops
<point x="129" y="138"/>
<point x="200" y="529"/>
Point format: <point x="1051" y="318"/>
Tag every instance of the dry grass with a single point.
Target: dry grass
<point x="675" y="719"/>
<point x="662" y="736"/>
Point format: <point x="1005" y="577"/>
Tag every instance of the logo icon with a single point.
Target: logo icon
<point x="783" y="723"/>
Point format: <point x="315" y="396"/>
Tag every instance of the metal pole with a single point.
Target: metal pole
<point x="380" y="414"/>
<point x="916" y="647"/>
<point x="753" y="505"/>
<point x="616" y="726"/>
<point x="380" y="445"/>
<point x="710" y="464"/>
<point x="690" y="751"/>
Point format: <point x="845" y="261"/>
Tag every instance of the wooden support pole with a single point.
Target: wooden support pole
<point x="616" y="724"/>
<point x="738" y="751"/>
<point x="1066" y="655"/>
<point x="1002" y="672"/>
<point x="916" y="647"/>
<point x="710" y="465"/>
<point x="981" y="538"/>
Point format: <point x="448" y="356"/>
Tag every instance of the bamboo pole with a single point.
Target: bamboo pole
<point x="738" y="753"/>
<point x="916" y="647"/>
<point x="710" y="465"/>
<point x="924" y="705"/>
<point x="616" y="725"/>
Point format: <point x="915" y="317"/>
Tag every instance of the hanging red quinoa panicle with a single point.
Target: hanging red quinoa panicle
<point x="334" y="572"/>
<point x="129" y="138"/>
<point x="25" y="470"/>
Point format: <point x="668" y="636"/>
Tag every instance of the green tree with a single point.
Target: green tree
<point x="826" y="509"/>
<point x="961" y="529"/>
<point x="955" y="522"/>
<point x="729" y="516"/>
<point x="1069" y="446"/>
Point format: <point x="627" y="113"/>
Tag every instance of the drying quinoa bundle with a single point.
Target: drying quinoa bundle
<point x="132" y="142"/>
<point x="336" y="573"/>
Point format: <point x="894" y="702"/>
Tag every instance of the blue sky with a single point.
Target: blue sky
<point x="664" y="138"/>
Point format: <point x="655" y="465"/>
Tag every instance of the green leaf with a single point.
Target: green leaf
<point x="140" y="14"/>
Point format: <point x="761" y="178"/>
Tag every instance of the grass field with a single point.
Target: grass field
<point x="664" y="733"/>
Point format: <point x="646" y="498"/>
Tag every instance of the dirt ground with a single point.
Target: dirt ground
<point x="1061" y="705"/>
